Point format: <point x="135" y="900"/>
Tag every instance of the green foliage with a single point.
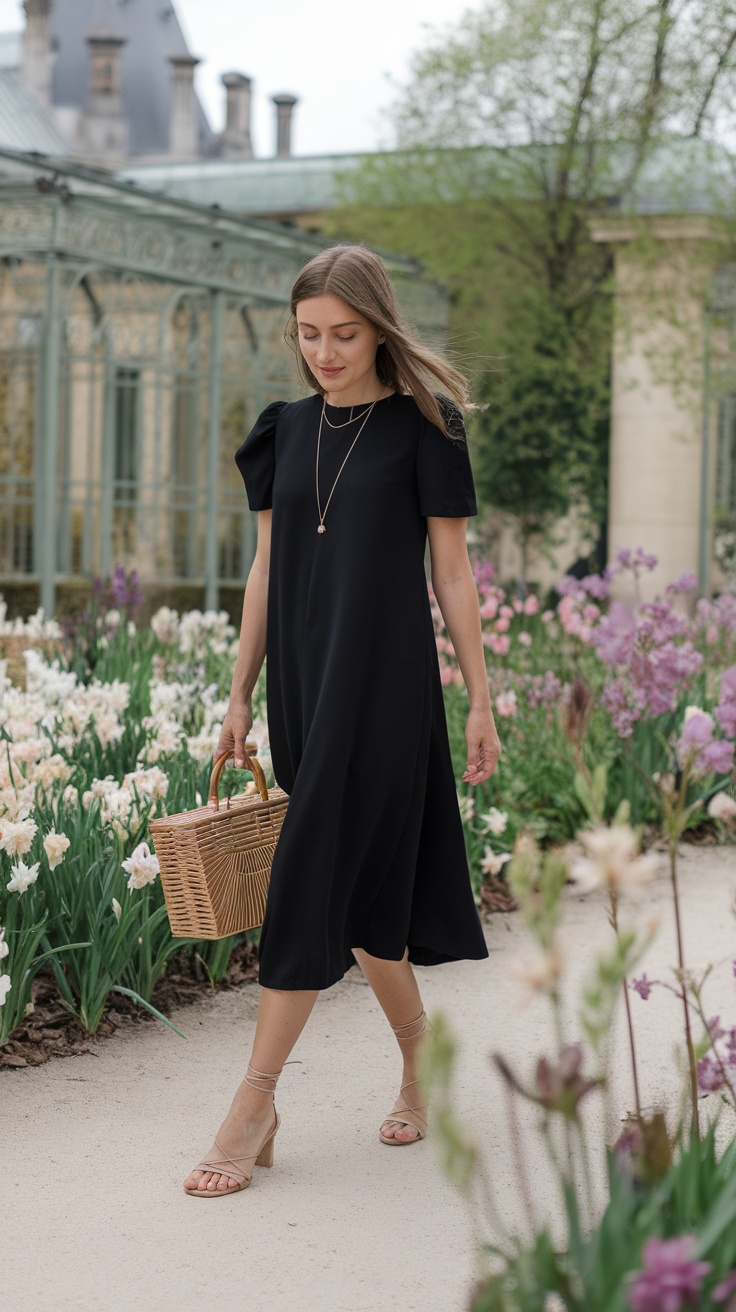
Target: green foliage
<point x="520" y="124"/>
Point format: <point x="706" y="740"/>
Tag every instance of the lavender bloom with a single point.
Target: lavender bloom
<point x="697" y="745"/>
<point x="725" y="1288"/>
<point x="670" y="1279"/>
<point x="615" y="636"/>
<point x="637" y="561"/>
<point x="710" y="1077"/>
<point x="642" y="986"/>
<point x="725" y="711"/>
<point x="684" y="582"/>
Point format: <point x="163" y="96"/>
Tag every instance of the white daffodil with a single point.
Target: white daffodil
<point x="494" y="821"/>
<point x="4" y="949"/>
<point x="613" y="861"/>
<point x="16" y="837"/>
<point x="23" y="877"/>
<point x="142" y="866"/>
<point x="5" y="987"/>
<point x="117" y="909"/>
<point x="492" y="863"/>
<point x="55" y="845"/>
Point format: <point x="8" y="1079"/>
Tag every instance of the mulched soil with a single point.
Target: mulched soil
<point x="51" y="1031"/>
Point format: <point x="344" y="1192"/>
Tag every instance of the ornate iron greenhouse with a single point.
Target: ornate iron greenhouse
<point x="139" y="338"/>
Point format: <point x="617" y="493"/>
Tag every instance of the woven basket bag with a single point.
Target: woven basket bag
<point x="215" y="860"/>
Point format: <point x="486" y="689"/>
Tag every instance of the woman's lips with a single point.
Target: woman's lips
<point x="331" y="373"/>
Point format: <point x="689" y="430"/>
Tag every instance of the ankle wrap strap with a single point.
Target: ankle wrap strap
<point x="420" y="1020"/>
<point x="261" y="1080"/>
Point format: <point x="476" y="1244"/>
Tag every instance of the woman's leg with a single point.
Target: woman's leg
<point x="395" y="986"/>
<point x="282" y="1015"/>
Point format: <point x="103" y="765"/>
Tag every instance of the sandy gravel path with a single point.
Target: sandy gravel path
<point x="94" y="1148"/>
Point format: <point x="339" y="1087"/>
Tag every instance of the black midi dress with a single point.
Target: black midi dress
<point x="371" y="854"/>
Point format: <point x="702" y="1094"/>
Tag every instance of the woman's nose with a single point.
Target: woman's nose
<point x="325" y="352"/>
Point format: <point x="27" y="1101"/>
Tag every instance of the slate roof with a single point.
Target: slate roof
<point x="152" y="32"/>
<point x="25" y="124"/>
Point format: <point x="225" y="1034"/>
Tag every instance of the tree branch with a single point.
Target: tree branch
<point x="710" y="88"/>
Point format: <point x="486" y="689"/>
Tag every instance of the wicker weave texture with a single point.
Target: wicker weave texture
<point x="216" y="865"/>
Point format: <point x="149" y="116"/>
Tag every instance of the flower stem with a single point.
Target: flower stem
<point x="686" y="1010"/>
<point x="613" y="916"/>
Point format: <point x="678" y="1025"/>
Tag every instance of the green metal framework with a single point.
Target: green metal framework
<point x="139" y="338"/>
<point x="718" y="472"/>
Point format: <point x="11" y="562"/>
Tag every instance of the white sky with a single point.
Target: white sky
<point x="338" y="56"/>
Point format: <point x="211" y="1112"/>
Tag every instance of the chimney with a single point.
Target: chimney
<point x="284" y="111"/>
<point x="235" y="142"/>
<point x="184" y="135"/>
<point x="37" y="58"/>
<point x="104" y="129"/>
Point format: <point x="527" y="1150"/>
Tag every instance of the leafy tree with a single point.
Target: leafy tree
<point x="515" y="129"/>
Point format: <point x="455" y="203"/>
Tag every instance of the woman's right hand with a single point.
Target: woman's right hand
<point x="235" y="729"/>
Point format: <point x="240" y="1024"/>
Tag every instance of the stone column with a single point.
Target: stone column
<point x="660" y="467"/>
<point x="184" y="138"/>
<point x="284" y="112"/>
<point x="37" y="56"/>
<point x="235" y="142"/>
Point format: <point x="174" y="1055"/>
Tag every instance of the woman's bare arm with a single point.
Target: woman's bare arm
<point x="252" y="648"/>
<point x="457" y="597"/>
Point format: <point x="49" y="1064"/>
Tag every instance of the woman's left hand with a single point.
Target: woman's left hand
<point x="484" y="747"/>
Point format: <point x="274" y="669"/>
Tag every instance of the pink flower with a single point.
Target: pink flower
<point x="642" y="986"/>
<point x="722" y="807"/>
<point x="725" y="711"/>
<point x="725" y="1288"/>
<point x="489" y="609"/>
<point x="698" y="746"/>
<point x="518" y="606"/>
<point x="711" y="635"/>
<point x="446" y="674"/>
<point x="531" y="604"/>
<point x="546" y="616"/>
<point x="525" y="638"/>
<point x="501" y="625"/>
<point x="591" y="613"/>
<point x="499" y="643"/>
<point x="506" y="704"/>
<point x="670" y="1279"/>
<point x="507" y="612"/>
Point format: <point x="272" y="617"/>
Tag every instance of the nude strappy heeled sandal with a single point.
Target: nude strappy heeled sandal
<point x="409" y="1115"/>
<point x="231" y="1166"/>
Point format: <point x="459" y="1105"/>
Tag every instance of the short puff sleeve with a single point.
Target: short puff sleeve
<point x="444" y="473"/>
<point x="256" y="458"/>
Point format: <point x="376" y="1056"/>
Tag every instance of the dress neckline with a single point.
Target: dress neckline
<point x="359" y="405"/>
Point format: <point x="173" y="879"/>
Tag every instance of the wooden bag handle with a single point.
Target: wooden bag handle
<point x="255" y="767"/>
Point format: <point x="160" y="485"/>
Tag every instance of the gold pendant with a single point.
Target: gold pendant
<point x="321" y="529"/>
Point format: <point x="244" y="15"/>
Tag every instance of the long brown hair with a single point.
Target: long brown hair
<point x="403" y="362"/>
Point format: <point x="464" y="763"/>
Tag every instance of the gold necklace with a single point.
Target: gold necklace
<point x="347" y="421"/>
<point x="321" y="526"/>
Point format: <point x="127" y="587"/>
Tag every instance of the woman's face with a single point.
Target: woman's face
<point x="339" y="345"/>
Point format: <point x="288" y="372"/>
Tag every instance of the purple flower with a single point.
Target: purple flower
<point x="710" y="1077"/>
<point x="684" y="582"/>
<point x="670" y="1279"/>
<point x="725" y="711"/>
<point x="697" y="746"/>
<point x="635" y="561"/>
<point x="615" y="636"/>
<point x="596" y="586"/>
<point x="642" y="986"/>
<point x="725" y="1288"/>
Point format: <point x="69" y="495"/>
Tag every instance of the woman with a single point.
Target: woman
<point x="370" y="864"/>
